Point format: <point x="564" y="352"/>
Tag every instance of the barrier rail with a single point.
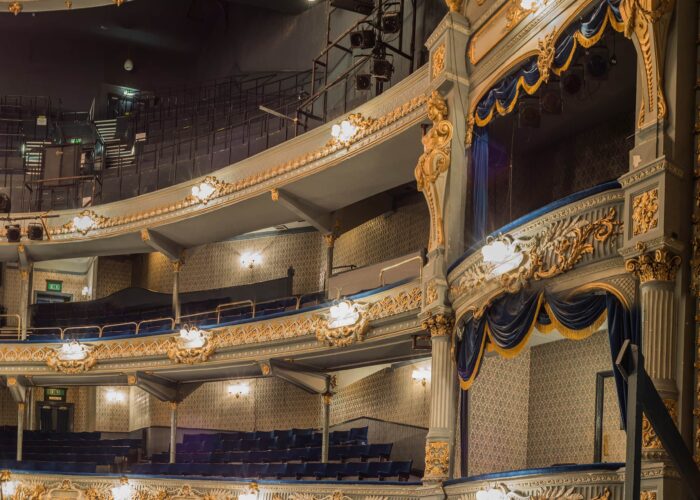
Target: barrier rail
<point x="155" y="320"/>
<point x="231" y="305"/>
<point x="399" y="264"/>
<point x="17" y="329"/>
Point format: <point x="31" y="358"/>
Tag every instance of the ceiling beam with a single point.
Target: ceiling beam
<point x="23" y="257"/>
<point x="17" y="388"/>
<point x="309" y="381"/>
<point x="164" y="389"/>
<point x="162" y="244"/>
<point x="310" y="213"/>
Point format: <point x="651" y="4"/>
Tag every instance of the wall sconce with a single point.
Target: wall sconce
<point x="421" y="375"/>
<point x="115" y="396"/>
<point x="239" y="389"/>
<point x="250" y="260"/>
<point x="87" y="291"/>
<point x="124" y="491"/>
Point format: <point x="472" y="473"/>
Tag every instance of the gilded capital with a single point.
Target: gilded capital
<point x="274" y="194"/>
<point x="454" y="5"/>
<point x="327" y="398"/>
<point x="173" y="405"/>
<point x="438" y="325"/>
<point x="437" y="460"/>
<point x="660" y="265"/>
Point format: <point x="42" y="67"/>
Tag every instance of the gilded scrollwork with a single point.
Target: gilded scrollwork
<point x="438" y="65"/>
<point x="516" y="13"/>
<point x="361" y="124"/>
<point x="554" y="251"/>
<point x="85" y="361"/>
<point x="438" y="325"/>
<point x="557" y="493"/>
<point x="342" y="336"/>
<point x="660" y="265"/>
<point x="645" y="208"/>
<point x="454" y="5"/>
<point x="546" y="49"/>
<point x="650" y="441"/>
<point x="647" y="495"/>
<point x="433" y="163"/>
<point x="437" y="460"/>
<point x="179" y="352"/>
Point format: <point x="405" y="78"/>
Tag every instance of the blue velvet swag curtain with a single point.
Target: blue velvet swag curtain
<point x="503" y="98"/>
<point x="507" y="324"/>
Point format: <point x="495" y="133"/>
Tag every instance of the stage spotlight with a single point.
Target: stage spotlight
<point x="14" y="233"/>
<point x="363" y="81"/>
<point x="597" y="63"/>
<point x="550" y="99"/>
<point x="362" y="39"/>
<point x="382" y="69"/>
<point x="35" y="232"/>
<point x="391" y="22"/>
<point x="572" y="80"/>
<point x="529" y="113"/>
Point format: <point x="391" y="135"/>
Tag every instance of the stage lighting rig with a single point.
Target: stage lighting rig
<point x="363" y="39"/>
<point x="363" y="81"/>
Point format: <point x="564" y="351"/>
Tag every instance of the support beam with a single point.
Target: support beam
<point x="19" y="392"/>
<point x="159" y="243"/>
<point x="311" y="382"/>
<point x="163" y="389"/>
<point x="327" y="398"/>
<point x="173" y="431"/>
<point x="177" y="265"/>
<point x="313" y="215"/>
<point x="25" y="269"/>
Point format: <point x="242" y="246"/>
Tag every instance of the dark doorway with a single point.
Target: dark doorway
<point x="55" y="416"/>
<point x="51" y="297"/>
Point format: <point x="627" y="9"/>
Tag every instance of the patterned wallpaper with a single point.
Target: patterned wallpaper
<point x="8" y="408"/>
<point x="498" y="415"/>
<point x="384" y="237"/>
<point x="112" y="415"/>
<point x="390" y="394"/>
<point x="113" y="274"/>
<point x="72" y="283"/>
<point x="11" y="283"/>
<point x="562" y="403"/>
<point x="218" y="265"/>
<point x="139" y="409"/>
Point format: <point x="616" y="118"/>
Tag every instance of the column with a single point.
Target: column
<point x="24" y="301"/>
<point x="656" y="272"/>
<point x="328" y="269"/>
<point x="173" y="431"/>
<point x="438" y="447"/>
<point x="177" y="264"/>
<point x="21" y="407"/>
<point x="325" y="443"/>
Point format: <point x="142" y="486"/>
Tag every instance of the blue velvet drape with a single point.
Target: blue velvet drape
<point x="480" y="163"/>
<point x="507" y="323"/>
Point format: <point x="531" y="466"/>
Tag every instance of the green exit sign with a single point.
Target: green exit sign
<point x="55" y="394"/>
<point x="54" y="286"/>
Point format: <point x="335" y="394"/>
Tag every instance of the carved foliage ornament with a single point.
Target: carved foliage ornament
<point x="645" y="19"/>
<point x="554" y="251"/>
<point x="437" y="460"/>
<point x="349" y="327"/>
<point x="645" y="208"/>
<point x="438" y="325"/>
<point x="80" y="359"/>
<point x="548" y="493"/>
<point x="439" y="60"/>
<point x="180" y="351"/>
<point x="455" y="5"/>
<point x="650" y="441"/>
<point x="545" y="56"/>
<point x="434" y="162"/>
<point x="660" y="265"/>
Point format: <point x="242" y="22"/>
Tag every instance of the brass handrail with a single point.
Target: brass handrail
<point x="86" y="327"/>
<point x="230" y="305"/>
<point x="399" y="264"/>
<point x="155" y="320"/>
<point x="119" y="324"/>
<point x="19" y="324"/>
<point x="55" y="328"/>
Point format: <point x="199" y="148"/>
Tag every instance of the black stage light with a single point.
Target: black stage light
<point x="391" y="22"/>
<point x="572" y="80"/>
<point x="14" y="233"/>
<point x="382" y="69"/>
<point x="35" y="232"/>
<point x="550" y="99"/>
<point x="597" y="63"/>
<point x="362" y="39"/>
<point x="529" y="113"/>
<point x="364" y="7"/>
<point x="363" y="81"/>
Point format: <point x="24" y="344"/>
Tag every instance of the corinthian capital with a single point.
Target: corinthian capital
<point x="438" y="325"/>
<point x="660" y="265"/>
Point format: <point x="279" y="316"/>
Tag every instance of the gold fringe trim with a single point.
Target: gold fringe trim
<point x="514" y="351"/>
<point x="579" y="39"/>
<point x="570" y="333"/>
<point x="466" y="384"/>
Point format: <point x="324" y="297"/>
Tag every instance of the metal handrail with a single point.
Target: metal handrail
<point x="86" y="327"/>
<point x="113" y="325"/>
<point x="231" y="305"/>
<point x="155" y="320"/>
<point x="399" y="264"/>
<point x="52" y="328"/>
<point x="18" y="328"/>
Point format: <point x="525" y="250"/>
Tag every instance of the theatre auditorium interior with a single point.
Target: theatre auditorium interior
<point x="349" y="249"/>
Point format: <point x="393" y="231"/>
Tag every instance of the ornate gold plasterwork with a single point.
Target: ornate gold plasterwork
<point x="15" y="8"/>
<point x="343" y="336"/>
<point x="516" y="13"/>
<point x="546" y="49"/>
<point x="437" y="460"/>
<point x="294" y="326"/>
<point x="431" y="293"/>
<point x="180" y="353"/>
<point x="647" y="495"/>
<point x="72" y="366"/>
<point x="650" y="441"/>
<point x="336" y="495"/>
<point x="454" y="5"/>
<point x="557" y="493"/>
<point x="439" y="60"/>
<point x="220" y="188"/>
<point x="433" y="163"/>
<point x="647" y="20"/>
<point x="327" y="398"/>
<point x="660" y="265"/>
<point x="554" y="251"/>
<point x="362" y="125"/>
<point x="645" y="208"/>
<point x="275" y="194"/>
<point x="98" y="222"/>
<point x="438" y="325"/>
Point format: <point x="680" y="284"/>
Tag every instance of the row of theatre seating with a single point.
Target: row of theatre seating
<point x="268" y="440"/>
<point x="75" y="448"/>
<point x="49" y="466"/>
<point x="362" y="452"/>
<point x="339" y="471"/>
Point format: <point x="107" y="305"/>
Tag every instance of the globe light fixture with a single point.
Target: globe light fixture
<point x="251" y="259"/>
<point x="113" y="396"/>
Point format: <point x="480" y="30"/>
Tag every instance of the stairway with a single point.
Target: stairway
<point x="117" y="155"/>
<point x="33" y="157"/>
